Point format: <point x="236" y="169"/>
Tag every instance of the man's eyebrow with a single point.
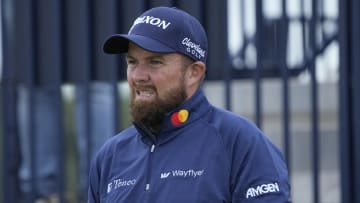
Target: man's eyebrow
<point x="155" y="56"/>
<point x="127" y="55"/>
<point x="152" y="56"/>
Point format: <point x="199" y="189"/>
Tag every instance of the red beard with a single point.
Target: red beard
<point x="152" y="113"/>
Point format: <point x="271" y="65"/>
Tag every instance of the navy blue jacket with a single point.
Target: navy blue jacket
<point x="214" y="156"/>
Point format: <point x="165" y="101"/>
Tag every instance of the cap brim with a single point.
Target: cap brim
<point x="119" y="43"/>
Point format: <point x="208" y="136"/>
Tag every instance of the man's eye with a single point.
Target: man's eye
<point x="130" y="62"/>
<point x="155" y="62"/>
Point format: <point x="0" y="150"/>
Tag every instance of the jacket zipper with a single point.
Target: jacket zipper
<point x="149" y="174"/>
<point x="151" y="151"/>
<point x="147" y="186"/>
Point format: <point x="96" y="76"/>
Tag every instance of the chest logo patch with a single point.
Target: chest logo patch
<point x="118" y="183"/>
<point x="191" y="173"/>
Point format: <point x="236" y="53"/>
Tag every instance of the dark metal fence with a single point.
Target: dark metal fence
<point x="52" y="43"/>
<point x="349" y="108"/>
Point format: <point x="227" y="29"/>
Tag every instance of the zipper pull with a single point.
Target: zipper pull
<point x="152" y="148"/>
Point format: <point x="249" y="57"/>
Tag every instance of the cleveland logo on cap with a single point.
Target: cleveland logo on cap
<point x="193" y="48"/>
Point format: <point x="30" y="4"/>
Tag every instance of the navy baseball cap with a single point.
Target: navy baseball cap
<point x="163" y="30"/>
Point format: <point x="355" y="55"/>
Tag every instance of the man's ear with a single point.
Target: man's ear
<point x="195" y="73"/>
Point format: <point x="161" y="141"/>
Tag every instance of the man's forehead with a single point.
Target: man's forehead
<point x="134" y="50"/>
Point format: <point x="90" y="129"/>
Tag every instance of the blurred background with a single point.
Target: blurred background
<point x="291" y="66"/>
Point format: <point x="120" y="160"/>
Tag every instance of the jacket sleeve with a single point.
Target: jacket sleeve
<point x="259" y="173"/>
<point x="94" y="182"/>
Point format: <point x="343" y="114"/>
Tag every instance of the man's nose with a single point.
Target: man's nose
<point x="140" y="73"/>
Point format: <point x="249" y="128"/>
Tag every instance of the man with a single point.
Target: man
<point x="180" y="148"/>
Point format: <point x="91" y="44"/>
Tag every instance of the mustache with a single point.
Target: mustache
<point x="144" y="87"/>
<point x="138" y="88"/>
<point x="138" y="85"/>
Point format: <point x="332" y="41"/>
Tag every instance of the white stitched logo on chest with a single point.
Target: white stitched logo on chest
<point x="191" y="173"/>
<point x="118" y="183"/>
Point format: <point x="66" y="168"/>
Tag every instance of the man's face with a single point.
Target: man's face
<point x="156" y="82"/>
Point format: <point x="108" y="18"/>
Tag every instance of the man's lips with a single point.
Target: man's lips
<point x="144" y="92"/>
